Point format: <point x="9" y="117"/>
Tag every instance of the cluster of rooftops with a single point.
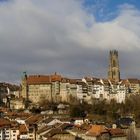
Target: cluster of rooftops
<point x="46" y="127"/>
<point x="48" y="79"/>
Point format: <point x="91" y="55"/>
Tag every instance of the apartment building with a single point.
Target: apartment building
<point x="106" y="89"/>
<point x="134" y="85"/>
<point x="8" y="130"/>
<point x="64" y="90"/>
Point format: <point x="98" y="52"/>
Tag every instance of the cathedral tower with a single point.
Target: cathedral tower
<point x="114" y="70"/>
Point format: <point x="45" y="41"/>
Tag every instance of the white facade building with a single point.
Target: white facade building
<point x="7" y="133"/>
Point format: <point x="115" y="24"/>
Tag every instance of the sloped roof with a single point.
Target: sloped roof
<point x="38" y="79"/>
<point x="72" y="81"/>
<point x="44" y="79"/>
<point x="88" y="79"/>
<point x="23" y="128"/>
<point x="134" y="81"/>
<point x="97" y="130"/>
<point x="64" y="80"/>
<point x="12" y="87"/>
<point x="43" y="129"/>
<point x="97" y="83"/>
<point x="33" y="119"/>
<point x="116" y="132"/>
<point x="125" y="82"/>
<point x="59" y="129"/>
<point x="4" y="122"/>
<point x="55" y="77"/>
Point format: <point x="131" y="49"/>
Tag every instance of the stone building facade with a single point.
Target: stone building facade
<point x="114" y="70"/>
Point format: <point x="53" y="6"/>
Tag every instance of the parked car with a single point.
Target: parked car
<point x="124" y="122"/>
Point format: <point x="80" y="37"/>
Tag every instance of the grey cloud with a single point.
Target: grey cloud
<point x="42" y="37"/>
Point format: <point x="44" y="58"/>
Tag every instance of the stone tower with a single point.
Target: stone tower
<point x="24" y="86"/>
<point x="114" y="70"/>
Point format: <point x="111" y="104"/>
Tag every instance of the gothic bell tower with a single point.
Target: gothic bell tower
<point x="114" y="70"/>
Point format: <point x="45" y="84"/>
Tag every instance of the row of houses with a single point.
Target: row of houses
<point x="56" y="88"/>
<point x="13" y="126"/>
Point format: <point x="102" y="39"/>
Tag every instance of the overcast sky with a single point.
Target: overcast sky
<point x="71" y="37"/>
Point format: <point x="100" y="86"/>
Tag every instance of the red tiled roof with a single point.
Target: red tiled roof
<point x="134" y="81"/>
<point x="23" y="128"/>
<point x="38" y="79"/>
<point x="33" y="119"/>
<point x="97" y="130"/>
<point x="43" y="79"/>
<point x="56" y="77"/>
<point x="116" y="132"/>
<point x="4" y="122"/>
<point x="73" y="81"/>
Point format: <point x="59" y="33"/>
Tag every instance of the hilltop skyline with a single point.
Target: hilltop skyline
<point x="71" y="37"/>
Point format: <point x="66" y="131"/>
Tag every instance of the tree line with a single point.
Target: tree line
<point x="109" y="110"/>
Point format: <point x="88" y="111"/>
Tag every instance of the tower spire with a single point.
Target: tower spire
<point x="114" y="70"/>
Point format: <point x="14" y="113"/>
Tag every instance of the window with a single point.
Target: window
<point x="30" y="135"/>
<point x="114" y="73"/>
<point x="114" y="63"/>
<point x="30" y="130"/>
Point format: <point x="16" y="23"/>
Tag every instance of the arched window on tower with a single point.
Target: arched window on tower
<point x="114" y="63"/>
<point x="114" y="72"/>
